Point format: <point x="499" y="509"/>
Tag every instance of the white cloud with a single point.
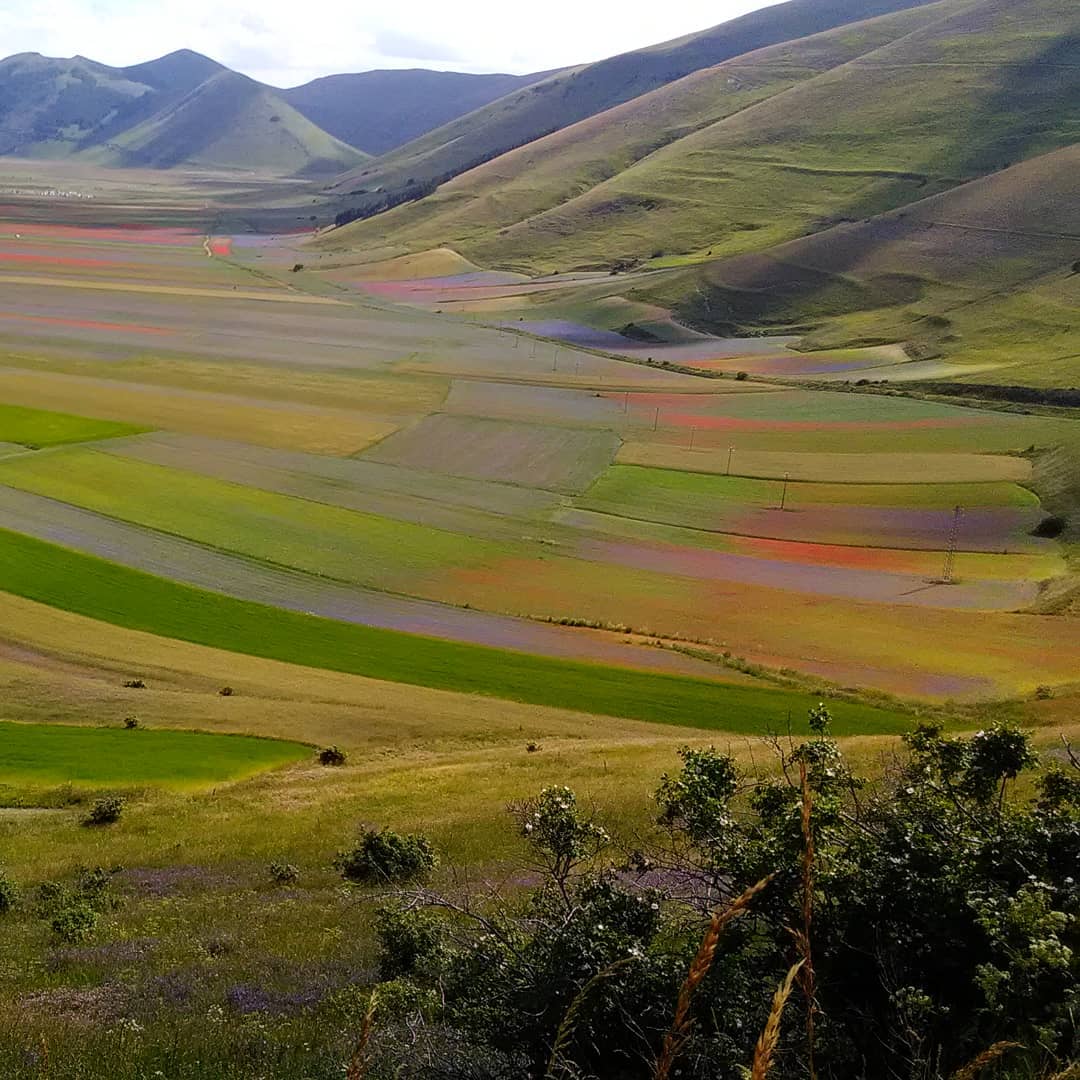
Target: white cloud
<point x="284" y="42"/>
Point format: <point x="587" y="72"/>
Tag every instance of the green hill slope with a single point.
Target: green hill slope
<point x="181" y="109"/>
<point x="230" y="121"/>
<point x="973" y="88"/>
<point x="988" y="273"/>
<point x="378" y="111"/>
<point x="477" y="212"/>
<point x="578" y="93"/>
<point x="50" y="106"/>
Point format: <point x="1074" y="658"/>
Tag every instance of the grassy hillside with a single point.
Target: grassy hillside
<point x="378" y="111"/>
<point x="481" y="208"/>
<point x="917" y="274"/>
<point x="230" y="121"/>
<point x="49" y="106"/>
<point x="898" y="121"/>
<point x="181" y="109"/>
<point x="578" y="93"/>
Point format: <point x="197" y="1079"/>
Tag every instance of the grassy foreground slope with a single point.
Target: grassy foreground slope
<point x="573" y="95"/>
<point x="102" y="590"/>
<point x="476" y="210"/>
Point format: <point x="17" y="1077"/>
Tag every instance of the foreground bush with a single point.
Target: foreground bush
<point x="913" y="923"/>
<point x="332" y="756"/>
<point x="387" y="856"/>
<point x="9" y="893"/>
<point x="105" y="811"/>
<point x="72" y="911"/>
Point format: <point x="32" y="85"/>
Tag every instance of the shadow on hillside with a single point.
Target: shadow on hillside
<point x="1033" y="108"/>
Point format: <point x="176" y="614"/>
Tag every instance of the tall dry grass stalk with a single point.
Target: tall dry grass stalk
<point x="681" y="1025"/>
<point x="358" y="1063"/>
<point x="1070" y="1072"/>
<point x="987" y="1058"/>
<point x="558" y="1060"/>
<point x="765" y="1050"/>
<point x="807" y="982"/>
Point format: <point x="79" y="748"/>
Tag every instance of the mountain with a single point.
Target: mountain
<point x="578" y="93"/>
<point x="181" y="109"/>
<point x="507" y="212"/>
<point x="229" y="121"/>
<point x="908" y="178"/>
<point x="849" y="124"/>
<point x="378" y="111"/>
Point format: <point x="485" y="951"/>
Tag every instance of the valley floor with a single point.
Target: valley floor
<point x="247" y="493"/>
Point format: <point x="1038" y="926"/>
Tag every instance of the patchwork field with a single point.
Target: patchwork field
<point x="36" y="755"/>
<point x="422" y="446"/>
<point x="35" y="428"/>
<point x="481" y="532"/>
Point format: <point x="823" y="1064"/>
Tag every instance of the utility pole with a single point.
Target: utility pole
<point x="950" y="550"/>
<point x="656" y="420"/>
<point x="730" y="451"/>
<point x="783" y="494"/>
<point x="693" y="432"/>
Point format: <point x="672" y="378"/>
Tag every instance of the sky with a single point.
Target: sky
<point x="288" y="42"/>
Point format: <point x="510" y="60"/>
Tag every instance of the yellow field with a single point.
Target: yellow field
<point x="924" y="652"/>
<point x="294" y="427"/>
<point x="170" y="290"/>
<point x="853" y="468"/>
<point x="371" y="392"/>
<point x="421" y="758"/>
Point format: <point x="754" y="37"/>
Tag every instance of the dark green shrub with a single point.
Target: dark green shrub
<point x="332" y="755"/>
<point x="385" y="856"/>
<point x="72" y="911"/>
<point x="226" y="691"/>
<point x="75" y="922"/>
<point x="1051" y="527"/>
<point x="131" y="723"/>
<point x="742" y="376"/>
<point x="105" y="811"/>
<point x="944" y="901"/>
<point x="9" y="893"/>
<point x="409" y="940"/>
<point x="284" y="873"/>
<point x="134" y="684"/>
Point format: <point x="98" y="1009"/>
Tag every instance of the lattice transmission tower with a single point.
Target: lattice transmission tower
<point x="950" y="550"/>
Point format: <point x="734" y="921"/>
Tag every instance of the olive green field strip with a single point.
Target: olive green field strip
<point x="86" y="585"/>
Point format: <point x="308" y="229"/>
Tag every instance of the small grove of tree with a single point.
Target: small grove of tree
<point x="917" y="921"/>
